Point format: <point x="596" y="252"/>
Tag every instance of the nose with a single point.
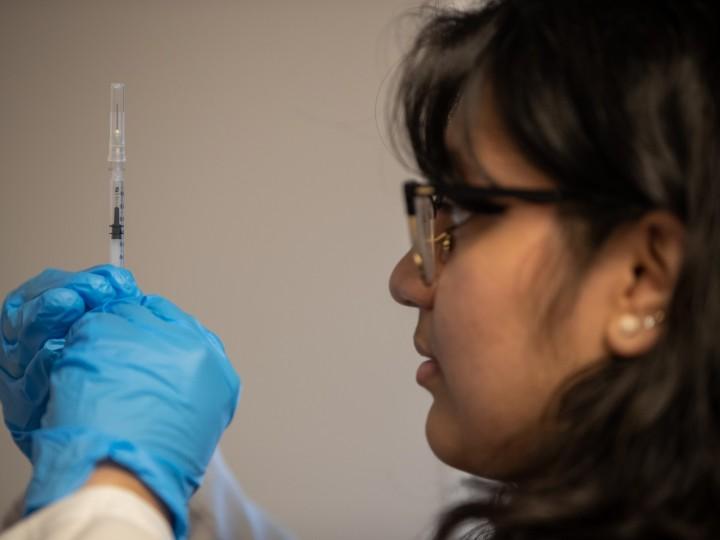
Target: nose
<point x="407" y="287"/>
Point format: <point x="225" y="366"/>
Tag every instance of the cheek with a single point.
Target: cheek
<point x="483" y="313"/>
<point x="488" y="389"/>
<point x="495" y="381"/>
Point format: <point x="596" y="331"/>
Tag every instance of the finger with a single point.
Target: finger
<point x="216" y="341"/>
<point x="127" y="309"/>
<point x="235" y="383"/>
<point x="94" y="288"/>
<point x="121" y="279"/>
<point x="51" y="308"/>
<point x="153" y="314"/>
<point x="38" y="371"/>
<point x="164" y="309"/>
<point x="89" y="285"/>
<point x="167" y="311"/>
<point x="49" y="316"/>
<point x="24" y="400"/>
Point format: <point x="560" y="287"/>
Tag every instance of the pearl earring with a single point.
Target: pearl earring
<point x="631" y="324"/>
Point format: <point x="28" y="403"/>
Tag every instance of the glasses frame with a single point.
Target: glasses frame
<point x="476" y="200"/>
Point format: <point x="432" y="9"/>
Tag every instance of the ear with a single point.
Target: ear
<point x="651" y="253"/>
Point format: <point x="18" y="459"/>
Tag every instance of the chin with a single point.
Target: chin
<point x="444" y="435"/>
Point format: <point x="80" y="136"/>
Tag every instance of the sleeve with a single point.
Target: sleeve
<point x="220" y="510"/>
<point x="94" y="513"/>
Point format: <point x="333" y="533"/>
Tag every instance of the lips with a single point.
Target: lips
<point x="427" y="371"/>
<point x="430" y="368"/>
<point x="422" y="349"/>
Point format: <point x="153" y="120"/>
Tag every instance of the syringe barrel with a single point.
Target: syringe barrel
<point x="117" y="214"/>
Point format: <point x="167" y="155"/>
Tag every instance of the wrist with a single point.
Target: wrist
<point x="64" y="458"/>
<point x="108" y="473"/>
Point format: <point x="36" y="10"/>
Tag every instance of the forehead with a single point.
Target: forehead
<point x="482" y="151"/>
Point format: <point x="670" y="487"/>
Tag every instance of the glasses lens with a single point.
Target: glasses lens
<point x="424" y="235"/>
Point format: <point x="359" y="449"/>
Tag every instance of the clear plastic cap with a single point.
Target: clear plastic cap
<point x="116" y="152"/>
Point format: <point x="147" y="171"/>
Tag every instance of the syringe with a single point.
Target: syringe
<point x="116" y="157"/>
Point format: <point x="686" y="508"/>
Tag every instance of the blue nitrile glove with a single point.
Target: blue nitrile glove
<point x="144" y="385"/>
<point x="34" y="321"/>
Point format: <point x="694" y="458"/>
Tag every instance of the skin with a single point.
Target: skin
<point x="109" y="474"/>
<point x="497" y="371"/>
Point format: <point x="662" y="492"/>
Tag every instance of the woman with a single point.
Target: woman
<point x="575" y="350"/>
<point x="564" y="266"/>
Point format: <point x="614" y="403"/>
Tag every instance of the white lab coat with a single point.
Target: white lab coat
<point x="219" y="510"/>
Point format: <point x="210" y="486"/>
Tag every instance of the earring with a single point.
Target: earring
<point x="651" y="321"/>
<point x="631" y="324"/>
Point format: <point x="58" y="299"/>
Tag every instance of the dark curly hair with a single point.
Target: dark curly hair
<point x="617" y="100"/>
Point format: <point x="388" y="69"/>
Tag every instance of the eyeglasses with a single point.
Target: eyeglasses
<point x="423" y="202"/>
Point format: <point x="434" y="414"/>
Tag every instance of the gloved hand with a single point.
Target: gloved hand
<point x="34" y="321"/>
<point x="144" y="385"/>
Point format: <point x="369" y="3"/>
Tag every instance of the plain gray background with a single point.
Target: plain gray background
<point x="262" y="198"/>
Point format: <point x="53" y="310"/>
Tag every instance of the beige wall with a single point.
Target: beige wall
<point x="262" y="199"/>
